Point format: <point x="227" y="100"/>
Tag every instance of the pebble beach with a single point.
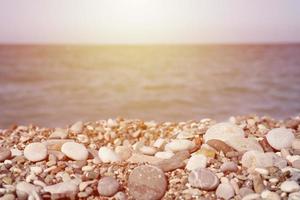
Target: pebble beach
<point x="243" y="158"/>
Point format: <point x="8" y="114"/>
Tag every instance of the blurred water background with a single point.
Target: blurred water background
<point x="58" y="85"/>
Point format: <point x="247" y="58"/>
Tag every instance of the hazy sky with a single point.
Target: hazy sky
<point x="149" y="21"/>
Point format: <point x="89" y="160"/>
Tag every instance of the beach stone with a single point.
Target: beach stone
<point x="244" y="144"/>
<point x="294" y="196"/>
<point x="107" y="155"/>
<point x="75" y="151"/>
<point x="120" y="196"/>
<point x="147" y="182"/>
<point x="219" y="145"/>
<point x="268" y="195"/>
<point x="16" y="152"/>
<point x="59" y="133"/>
<point x="175" y="162"/>
<point x="196" y="161"/>
<point x="8" y="196"/>
<point x="258" y="183"/>
<point x="179" y="145"/>
<point x="4" y="154"/>
<point x="62" y="190"/>
<point x="204" y="179"/>
<point x="108" y="186"/>
<point x="159" y="143"/>
<point x="253" y="196"/>
<point x="296" y="164"/>
<point x="280" y="138"/>
<point x="289" y="186"/>
<point x="77" y="127"/>
<point x="124" y="152"/>
<point x="147" y="150"/>
<point x="229" y="167"/>
<point x="223" y="131"/>
<point x="256" y="159"/>
<point x="24" y="189"/>
<point x="35" y="152"/>
<point x="296" y="144"/>
<point x="244" y="191"/>
<point x="164" y="154"/>
<point x="225" y="191"/>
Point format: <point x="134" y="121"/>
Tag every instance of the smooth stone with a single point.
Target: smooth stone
<point x="4" y="154"/>
<point x="175" y="162"/>
<point x="204" y="179"/>
<point x="258" y="183"/>
<point x="253" y="196"/>
<point x="16" y="152"/>
<point x="59" y="133"/>
<point x="62" y="190"/>
<point x="289" y="186"/>
<point x="219" y="145"/>
<point x="108" y="155"/>
<point x="280" y="138"/>
<point x="268" y="195"/>
<point x="77" y="127"/>
<point x="296" y="164"/>
<point x="229" y="167"/>
<point x="196" y="161"/>
<point x="120" y="196"/>
<point x="124" y="152"/>
<point x="159" y="143"/>
<point x="141" y="158"/>
<point x="256" y="159"/>
<point x="223" y="131"/>
<point x="294" y="196"/>
<point x="35" y="152"/>
<point x="296" y="144"/>
<point x="225" y="191"/>
<point x="179" y="145"/>
<point x="164" y="154"/>
<point x="147" y="182"/>
<point x="108" y="186"/>
<point x="244" y="191"/>
<point x="8" y="196"/>
<point x="147" y="150"/>
<point x="24" y="189"/>
<point x="75" y="151"/>
<point x="244" y="144"/>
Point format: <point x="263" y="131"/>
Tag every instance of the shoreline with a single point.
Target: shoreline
<point x="248" y="157"/>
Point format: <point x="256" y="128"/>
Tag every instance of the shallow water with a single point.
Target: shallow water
<point x="58" y="85"/>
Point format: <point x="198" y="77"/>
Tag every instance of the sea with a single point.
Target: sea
<point x="57" y="85"/>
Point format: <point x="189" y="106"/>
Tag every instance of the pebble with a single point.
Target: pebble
<point x="175" y="162"/>
<point x="294" y="196"/>
<point x="124" y="152"/>
<point x="258" y="183"/>
<point x="229" y="167"/>
<point x="120" y="196"/>
<point x="159" y="143"/>
<point x="59" y="133"/>
<point x="296" y="164"/>
<point x="268" y="195"/>
<point x="253" y="196"/>
<point x="4" y="154"/>
<point x="244" y="191"/>
<point x="75" y="151"/>
<point x="179" y="145"/>
<point x="147" y="182"/>
<point x="290" y="186"/>
<point x="108" y="155"/>
<point x="108" y="186"/>
<point x="35" y="152"/>
<point x="62" y="190"/>
<point x="204" y="179"/>
<point x="219" y="145"/>
<point x="196" y="161"/>
<point x="24" y="189"/>
<point x="280" y="138"/>
<point x="262" y="171"/>
<point x="141" y="158"/>
<point x="244" y="144"/>
<point x="225" y="191"/>
<point x="223" y="131"/>
<point x="164" y="154"/>
<point x="8" y="197"/>
<point x="16" y="152"/>
<point x="296" y="144"/>
<point x="147" y="150"/>
<point x="256" y="159"/>
<point x="77" y="127"/>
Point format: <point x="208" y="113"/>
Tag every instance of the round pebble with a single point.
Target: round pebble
<point x="268" y="195"/>
<point x="179" y="145"/>
<point x="223" y="131"/>
<point x="196" y="161"/>
<point x="147" y="182"/>
<point x="24" y="189"/>
<point x="59" y="133"/>
<point x="77" y="127"/>
<point x="225" y="191"/>
<point x="280" y="138"/>
<point x="204" y="179"/>
<point x="108" y="155"/>
<point x="244" y="144"/>
<point x="35" y="152"/>
<point x="296" y="144"/>
<point x="4" y="154"/>
<point x="257" y="159"/>
<point x="290" y="186"/>
<point x="164" y="154"/>
<point x="229" y="167"/>
<point x="296" y="164"/>
<point x="108" y="186"/>
<point x="75" y="151"/>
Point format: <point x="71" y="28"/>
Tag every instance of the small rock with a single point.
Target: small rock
<point x="147" y="182"/>
<point x="268" y="195"/>
<point x="8" y="197"/>
<point x="296" y="164"/>
<point x="223" y="131"/>
<point x="229" y="167"/>
<point x="159" y="143"/>
<point x="244" y="191"/>
<point x="175" y="162"/>
<point x="4" y="154"/>
<point x="164" y="154"/>
<point x="280" y="138"/>
<point x="225" y="191"/>
<point x="75" y="151"/>
<point x="294" y="196"/>
<point x="179" y="145"/>
<point x="24" y="189"/>
<point x="196" y="161"/>
<point x="16" y="152"/>
<point x="244" y="144"/>
<point x="290" y="186"/>
<point x="77" y="127"/>
<point x="147" y="150"/>
<point x="59" y="133"/>
<point x="141" y="158"/>
<point x="108" y="155"/>
<point x="124" y="152"/>
<point x="296" y="144"/>
<point x="108" y="186"/>
<point x="62" y="190"/>
<point x="258" y="183"/>
<point x="120" y="196"/>
<point x="204" y="179"/>
<point x="257" y="159"/>
<point x="35" y="152"/>
<point x="262" y="171"/>
<point x="253" y="196"/>
<point x="219" y="145"/>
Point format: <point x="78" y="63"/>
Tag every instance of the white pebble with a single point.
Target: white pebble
<point x="290" y="186"/>
<point x="225" y="191"/>
<point x="159" y="143"/>
<point x="179" y="145"/>
<point x="108" y="155"/>
<point x="164" y="154"/>
<point x="75" y="151"/>
<point x="77" y="127"/>
<point x="196" y="161"/>
<point x="147" y="150"/>
<point x="35" y="152"/>
<point x="280" y="138"/>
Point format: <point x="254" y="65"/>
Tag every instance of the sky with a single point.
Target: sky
<point x="149" y="21"/>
